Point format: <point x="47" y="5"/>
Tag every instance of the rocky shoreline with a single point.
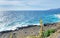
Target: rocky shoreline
<point x="22" y="32"/>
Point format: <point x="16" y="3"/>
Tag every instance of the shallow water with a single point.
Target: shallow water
<point x="9" y="20"/>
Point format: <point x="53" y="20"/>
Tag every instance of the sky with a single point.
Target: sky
<point x="28" y="4"/>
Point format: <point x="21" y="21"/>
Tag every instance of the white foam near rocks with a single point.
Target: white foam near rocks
<point x="48" y="18"/>
<point x="57" y="15"/>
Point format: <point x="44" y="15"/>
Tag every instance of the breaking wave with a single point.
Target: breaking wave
<point x="11" y="21"/>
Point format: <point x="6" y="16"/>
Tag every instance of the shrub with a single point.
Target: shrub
<point x="45" y="34"/>
<point x="48" y="32"/>
<point x="52" y="30"/>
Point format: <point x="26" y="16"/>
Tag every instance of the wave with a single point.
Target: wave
<point x="57" y="15"/>
<point x="47" y="19"/>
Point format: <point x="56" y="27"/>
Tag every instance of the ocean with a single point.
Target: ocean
<point x="10" y="20"/>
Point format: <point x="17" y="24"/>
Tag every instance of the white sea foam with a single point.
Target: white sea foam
<point x="8" y="19"/>
<point x="57" y="15"/>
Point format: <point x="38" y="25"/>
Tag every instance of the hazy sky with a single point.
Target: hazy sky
<point x="29" y="4"/>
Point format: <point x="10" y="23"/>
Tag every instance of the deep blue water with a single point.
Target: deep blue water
<point x="9" y="20"/>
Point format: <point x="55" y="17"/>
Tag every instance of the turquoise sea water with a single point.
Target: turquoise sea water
<point x="10" y="20"/>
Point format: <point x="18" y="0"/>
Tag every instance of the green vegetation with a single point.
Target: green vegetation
<point x="48" y="32"/>
<point x="42" y="33"/>
<point x="45" y="34"/>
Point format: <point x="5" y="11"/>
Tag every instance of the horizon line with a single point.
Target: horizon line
<point x="30" y="9"/>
